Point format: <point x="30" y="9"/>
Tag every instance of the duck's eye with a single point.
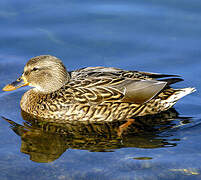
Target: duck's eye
<point x="35" y="69"/>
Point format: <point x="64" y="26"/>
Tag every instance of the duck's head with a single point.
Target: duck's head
<point x="45" y="73"/>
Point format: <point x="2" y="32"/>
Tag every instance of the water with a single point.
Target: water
<point x="156" y="36"/>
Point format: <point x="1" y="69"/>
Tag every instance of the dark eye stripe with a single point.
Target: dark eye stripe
<point x="35" y="69"/>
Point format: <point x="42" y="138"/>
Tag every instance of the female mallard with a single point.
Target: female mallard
<point x="93" y="93"/>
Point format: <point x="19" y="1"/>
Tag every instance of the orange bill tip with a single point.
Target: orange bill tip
<point x="9" y="87"/>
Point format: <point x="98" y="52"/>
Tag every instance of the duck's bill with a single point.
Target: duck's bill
<point x="20" y="82"/>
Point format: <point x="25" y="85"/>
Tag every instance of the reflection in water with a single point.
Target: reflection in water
<point x="46" y="141"/>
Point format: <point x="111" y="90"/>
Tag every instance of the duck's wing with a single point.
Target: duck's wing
<point x="100" y="84"/>
<point x="115" y="72"/>
<point x="110" y="89"/>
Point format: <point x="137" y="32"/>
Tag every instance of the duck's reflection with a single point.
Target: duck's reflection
<point x="46" y="141"/>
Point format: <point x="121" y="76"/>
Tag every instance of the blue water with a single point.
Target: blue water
<point x="155" y="36"/>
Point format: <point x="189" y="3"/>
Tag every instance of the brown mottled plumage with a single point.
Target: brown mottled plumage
<point x="93" y="93"/>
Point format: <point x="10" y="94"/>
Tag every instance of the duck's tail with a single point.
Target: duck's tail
<point x="181" y="93"/>
<point x="165" y="100"/>
<point x="178" y="94"/>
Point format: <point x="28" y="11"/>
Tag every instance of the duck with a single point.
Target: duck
<point x="93" y="94"/>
